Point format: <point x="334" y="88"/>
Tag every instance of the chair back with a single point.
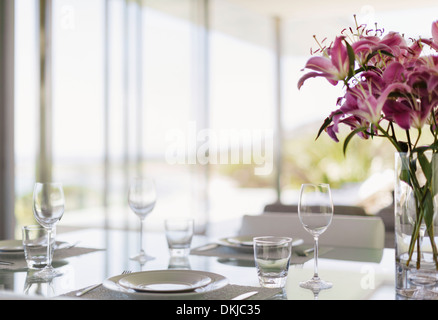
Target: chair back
<point x="344" y="231"/>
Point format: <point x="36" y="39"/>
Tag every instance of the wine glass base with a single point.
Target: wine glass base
<point x="47" y="273"/>
<point x="142" y="257"/>
<point x="316" y="284"/>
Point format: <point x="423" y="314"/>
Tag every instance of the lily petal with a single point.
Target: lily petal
<point x="314" y="75"/>
<point x="339" y="55"/>
<point x="321" y="64"/>
<point x="399" y="113"/>
<point x="435" y="32"/>
<point x="393" y="73"/>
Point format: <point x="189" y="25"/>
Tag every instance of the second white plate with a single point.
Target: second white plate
<point x="246" y="242"/>
<point x="11" y="246"/>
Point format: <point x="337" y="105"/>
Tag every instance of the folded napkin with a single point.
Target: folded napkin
<point x="226" y="293"/>
<point x="19" y="262"/>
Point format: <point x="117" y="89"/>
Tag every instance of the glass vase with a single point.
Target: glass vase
<point x="415" y="203"/>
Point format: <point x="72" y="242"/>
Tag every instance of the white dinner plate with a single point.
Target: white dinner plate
<point x="246" y="242"/>
<point x="165" y="281"/>
<point x="11" y="246"/>
<point x="217" y="281"/>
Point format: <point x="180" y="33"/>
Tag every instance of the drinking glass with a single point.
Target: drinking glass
<point x="142" y="197"/>
<point x="35" y="246"/>
<point x="48" y="208"/>
<point x="272" y="259"/>
<point x="179" y="234"/>
<point x="315" y="210"/>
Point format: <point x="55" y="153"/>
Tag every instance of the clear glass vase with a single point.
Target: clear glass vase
<point x="415" y="201"/>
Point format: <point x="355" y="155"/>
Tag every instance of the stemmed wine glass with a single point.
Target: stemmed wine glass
<point x="315" y="210"/>
<point x="142" y="197"/>
<point x="48" y="208"/>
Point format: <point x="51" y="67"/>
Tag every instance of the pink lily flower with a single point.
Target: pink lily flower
<point x="435" y="32"/>
<point x="394" y="73"/>
<point x="407" y="111"/>
<point x="367" y="106"/>
<point x="334" y="69"/>
<point x="434" y="41"/>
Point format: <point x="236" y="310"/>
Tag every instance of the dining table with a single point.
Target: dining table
<point x="96" y="256"/>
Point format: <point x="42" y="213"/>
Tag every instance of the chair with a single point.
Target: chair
<point x="387" y="216"/>
<point x="344" y="231"/>
<point x="338" y="209"/>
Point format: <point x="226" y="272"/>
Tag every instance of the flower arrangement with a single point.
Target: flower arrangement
<point x="389" y="83"/>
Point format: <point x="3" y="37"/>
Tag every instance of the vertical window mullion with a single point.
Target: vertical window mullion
<point x="45" y="152"/>
<point x="279" y="106"/>
<point x="7" y="185"/>
<point x="201" y="77"/>
<point x="126" y="109"/>
<point x="107" y="171"/>
<point x="139" y="85"/>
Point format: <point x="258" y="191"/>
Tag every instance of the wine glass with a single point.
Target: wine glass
<point x="142" y="197"/>
<point x="315" y="211"/>
<point x="48" y="208"/>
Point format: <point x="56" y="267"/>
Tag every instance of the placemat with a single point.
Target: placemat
<point x="221" y="251"/>
<point x="19" y="263"/>
<point x="226" y="293"/>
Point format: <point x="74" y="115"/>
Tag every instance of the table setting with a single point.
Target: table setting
<point x="170" y="265"/>
<point x="270" y="256"/>
<point x="173" y="285"/>
<point x="177" y="282"/>
<point x="12" y="256"/>
<point x="38" y="248"/>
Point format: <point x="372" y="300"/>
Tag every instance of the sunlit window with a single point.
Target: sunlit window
<point x="185" y="91"/>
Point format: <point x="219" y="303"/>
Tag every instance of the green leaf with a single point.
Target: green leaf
<point x="434" y="177"/>
<point x="421" y="149"/>
<point x="425" y="165"/>
<point x="352" y="59"/>
<point x="383" y="52"/>
<point x="387" y="53"/>
<point x="351" y="135"/>
<point x="326" y="123"/>
<point x="428" y="209"/>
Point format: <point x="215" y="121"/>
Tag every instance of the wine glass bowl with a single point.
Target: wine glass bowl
<point x="315" y="211"/>
<point x="142" y="197"/>
<point x="48" y="209"/>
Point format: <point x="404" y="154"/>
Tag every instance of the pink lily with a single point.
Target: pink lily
<point x="398" y="112"/>
<point x="434" y="41"/>
<point x="435" y="32"/>
<point x="394" y="73"/>
<point x="334" y="68"/>
<point x="352" y="121"/>
<point x="368" y="107"/>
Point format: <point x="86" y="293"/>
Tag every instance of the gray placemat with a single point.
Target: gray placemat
<point x="226" y="252"/>
<point x="19" y="263"/>
<point x="226" y="293"/>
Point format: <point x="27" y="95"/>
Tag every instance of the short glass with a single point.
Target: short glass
<point x="272" y="258"/>
<point x="179" y="234"/>
<point x="35" y="246"/>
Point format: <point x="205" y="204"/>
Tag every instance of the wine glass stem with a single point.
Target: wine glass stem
<point x="49" y="248"/>
<point x="315" y="252"/>
<point x="141" y="236"/>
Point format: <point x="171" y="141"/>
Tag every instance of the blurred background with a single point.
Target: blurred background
<point x="105" y="90"/>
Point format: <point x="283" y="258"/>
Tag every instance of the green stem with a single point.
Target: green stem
<point x="408" y="136"/>
<point x="390" y="138"/>
<point x="420" y="198"/>
<point x="434" y="247"/>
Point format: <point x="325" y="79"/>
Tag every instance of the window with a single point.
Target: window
<point x="184" y="91"/>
